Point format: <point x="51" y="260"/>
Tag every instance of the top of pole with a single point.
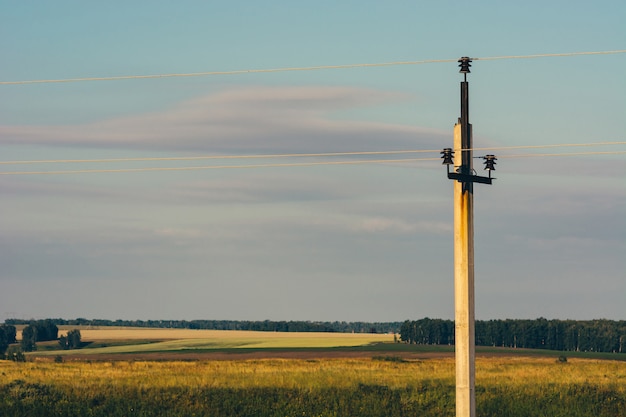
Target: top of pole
<point x="463" y="171"/>
<point x="465" y="64"/>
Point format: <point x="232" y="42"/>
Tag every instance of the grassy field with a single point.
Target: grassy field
<point x="390" y="380"/>
<point x="173" y="343"/>
<point x="137" y="340"/>
<point x="382" y="386"/>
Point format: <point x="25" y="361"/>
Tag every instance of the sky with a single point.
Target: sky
<point x="344" y="242"/>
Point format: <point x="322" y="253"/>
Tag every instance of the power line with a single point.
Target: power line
<point x="297" y="155"/>
<point x="549" y="55"/>
<point x="559" y="145"/>
<point x="191" y="158"/>
<point x="312" y="68"/>
<point x="235" y="72"/>
<point x="531" y="155"/>
<point x="294" y="164"/>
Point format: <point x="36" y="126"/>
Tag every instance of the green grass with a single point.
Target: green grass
<point x="381" y="387"/>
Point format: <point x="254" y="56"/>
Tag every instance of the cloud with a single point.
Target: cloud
<point x="399" y="226"/>
<point x="261" y="188"/>
<point x="177" y="233"/>
<point x="250" y="120"/>
<point x="554" y="243"/>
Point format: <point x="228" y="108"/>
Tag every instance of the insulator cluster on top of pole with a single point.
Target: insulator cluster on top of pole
<point x="464" y="65"/>
<point x="463" y="172"/>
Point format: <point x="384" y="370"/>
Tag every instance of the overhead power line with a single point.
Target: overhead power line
<point x="234" y="72"/>
<point x="312" y="68"/>
<point x="205" y="157"/>
<point x="532" y="155"/>
<point x="559" y="145"/>
<point x="297" y="155"/>
<point x="194" y="168"/>
<point x="294" y="164"/>
<point x="549" y="55"/>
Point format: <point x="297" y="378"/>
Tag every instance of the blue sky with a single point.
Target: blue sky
<point x="369" y="242"/>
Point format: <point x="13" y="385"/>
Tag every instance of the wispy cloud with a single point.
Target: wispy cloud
<point x="400" y="226"/>
<point x="260" y="119"/>
<point x="261" y="188"/>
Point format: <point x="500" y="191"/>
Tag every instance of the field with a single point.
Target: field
<point x="380" y="379"/>
<point x="125" y="343"/>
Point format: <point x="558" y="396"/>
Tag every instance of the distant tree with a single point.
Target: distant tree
<point x="4" y="343"/>
<point x="10" y="333"/>
<point x="29" y="338"/>
<point x="71" y="340"/>
<point x="7" y="337"/>
<point x="15" y="353"/>
<point x="46" y="330"/>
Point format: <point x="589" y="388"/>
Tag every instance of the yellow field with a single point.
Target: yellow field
<point x="180" y="384"/>
<point x="312" y="374"/>
<point x="512" y="387"/>
<point x="186" y="339"/>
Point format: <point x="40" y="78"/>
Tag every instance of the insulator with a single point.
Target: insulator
<point x="464" y="64"/>
<point x="447" y="154"/>
<point x="490" y="162"/>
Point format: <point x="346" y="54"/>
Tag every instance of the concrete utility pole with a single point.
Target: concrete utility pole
<point x="464" y="176"/>
<point x="464" y="347"/>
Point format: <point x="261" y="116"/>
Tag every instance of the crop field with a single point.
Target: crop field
<point x="105" y="341"/>
<point x="311" y="338"/>
<point x="369" y="375"/>
<point x="378" y="386"/>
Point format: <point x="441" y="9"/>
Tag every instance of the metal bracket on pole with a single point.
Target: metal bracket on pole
<point x="469" y="178"/>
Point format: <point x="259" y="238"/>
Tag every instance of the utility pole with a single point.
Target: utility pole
<point x="464" y="334"/>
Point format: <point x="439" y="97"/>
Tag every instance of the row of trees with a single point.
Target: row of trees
<point x="33" y="332"/>
<point x="9" y="349"/>
<point x="267" y="325"/>
<point x="8" y="335"/>
<point x="565" y="335"/>
<point x="38" y="331"/>
<point x="71" y="340"/>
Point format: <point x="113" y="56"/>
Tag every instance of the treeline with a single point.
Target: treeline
<point x="38" y="331"/>
<point x="263" y="326"/>
<point x="7" y="336"/>
<point x="33" y="332"/>
<point x="564" y="335"/>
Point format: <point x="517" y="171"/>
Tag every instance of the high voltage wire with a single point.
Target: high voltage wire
<point x="294" y="164"/>
<point x="235" y="72"/>
<point x="191" y="158"/>
<point x="558" y="145"/>
<point x="531" y="155"/>
<point x="313" y="68"/>
<point x="549" y="55"/>
<point x="297" y="155"/>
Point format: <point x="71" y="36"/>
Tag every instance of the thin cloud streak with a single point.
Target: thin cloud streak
<point x="254" y="120"/>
